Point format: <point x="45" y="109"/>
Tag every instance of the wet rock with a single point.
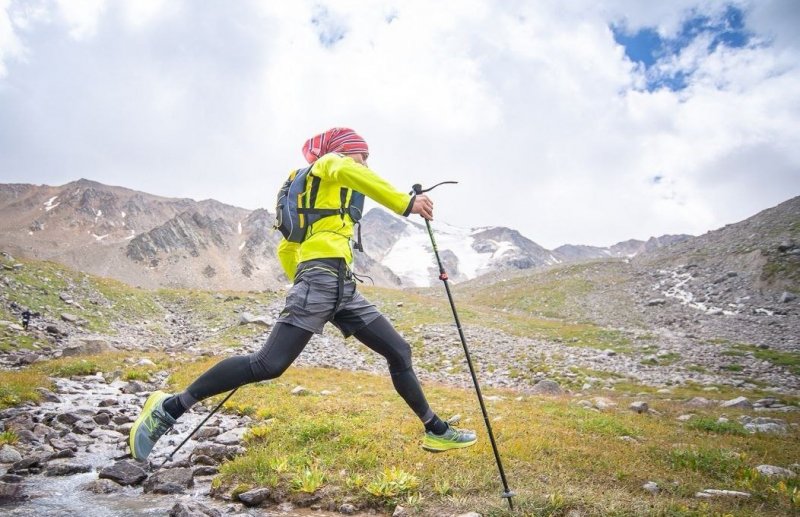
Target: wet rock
<point x="206" y="471"/>
<point x="47" y="395"/>
<point x="547" y="387"/>
<point x="30" y="465"/>
<point x="64" y="453"/>
<point x="255" y="497"/>
<point x="738" y="402"/>
<point x="207" y="432"/>
<point x="108" y="403"/>
<point x="193" y="509"/>
<point x="135" y="387"/>
<point x="639" y="407"/>
<point x="101" y="486"/>
<point x="68" y="418"/>
<point x="10" y="492"/>
<point x="12" y="478"/>
<point x="66" y="469"/>
<point x="102" y="418"/>
<point x="172" y="481"/>
<point x="232" y="437"/>
<point x="124" y="472"/>
<point x="9" y="454"/>
<point x="215" y="451"/>
<point x="347" y="509"/>
<point x="771" y="471"/>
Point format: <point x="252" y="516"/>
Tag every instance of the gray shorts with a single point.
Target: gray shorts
<point x="312" y="301"/>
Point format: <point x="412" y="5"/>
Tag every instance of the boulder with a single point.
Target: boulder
<point x="172" y="481"/>
<point x="101" y="486"/>
<point x="124" y="472"/>
<point x="193" y="509"/>
<point x="9" y="454"/>
<point x="547" y="387"/>
<point x="255" y="497"/>
<point x="771" y="471"/>
<point x="738" y="402"/>
<point x="66" y="469"/>
<point x="87" y="346"/>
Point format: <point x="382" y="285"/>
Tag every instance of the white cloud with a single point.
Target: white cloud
<point x="533" y="107"/>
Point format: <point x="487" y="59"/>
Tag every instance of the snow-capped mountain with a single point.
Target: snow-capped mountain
<point x="403" y="246"/>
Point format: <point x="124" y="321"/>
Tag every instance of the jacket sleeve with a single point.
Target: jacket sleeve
<point x="346" y="171"/>
<point x="288" y="254"/>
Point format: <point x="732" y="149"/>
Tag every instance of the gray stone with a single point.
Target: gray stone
<point x="135" y="387"/>
<point x="232" y="437"/>
<point x="172" y="481"/>
<point x="193" y="509"/>
<point x="347" y="509"/>
<point x="711" y="493"/>
<point x="101" y="486"/>
<point x="207" y="432"/>
<point x="246" y="318"/>
<point x="216" y="451"/>
<point x="652" y="487"/>
<point x="87" y="346"/>
<point x="399" y="511"/>
<point x="255" y="497"/>
<point x="698" y="402"/>
<point x="69" y="318"/>
<point x="9" y="454"/>
<point x="738" y="402"/>
<point x="547" y="387"/>
<point x="771" y="471"/>
<point x="655" y="302"/>
<point x="300" y="390"/>
<point x="10" y="492"/>
<point x="639" y="406"/>
<point x="124" y="472"/>
<point x="66" y="469"/>
<point x="787" y="297"/>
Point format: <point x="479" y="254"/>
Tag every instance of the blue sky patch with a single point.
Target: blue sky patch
<point x="647" y="47"/>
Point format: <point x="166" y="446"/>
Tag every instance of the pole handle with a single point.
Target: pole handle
<point x="417" y="188"/>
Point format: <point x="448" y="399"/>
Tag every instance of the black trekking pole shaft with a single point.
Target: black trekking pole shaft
<point x="508" y="494"/>
<point x="168" y="458"/>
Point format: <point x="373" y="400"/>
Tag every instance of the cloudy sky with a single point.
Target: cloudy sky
<point x="578" y="122"/>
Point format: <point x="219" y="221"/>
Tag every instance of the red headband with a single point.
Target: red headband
<point x="337" y="140"/>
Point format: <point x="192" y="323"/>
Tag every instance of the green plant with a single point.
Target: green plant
<point x="8" y="437"/>
<point x="308" y="480"/>
<point x="392" y="483"/>
<point x="713" y="425"/>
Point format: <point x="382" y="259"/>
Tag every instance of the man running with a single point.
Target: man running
<point x="323" y="290"/>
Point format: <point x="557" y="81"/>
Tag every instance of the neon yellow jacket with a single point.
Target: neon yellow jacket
<point x="329" y="237"/>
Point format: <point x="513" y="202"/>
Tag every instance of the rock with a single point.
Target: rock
<point x="102" y="418"/>
<point x="639" y="407"/>
<point x="69" y="318"/>
<point x="10" y="492"/>
<point x="232" y="437"/>
<point x="771" y="471"/>
<point x="215" y="451"/>
<point x="787" y="297"/>
<point x="9" y="454"/>
<point x="603" y="403"/>
<point x="172" y="481"/>
<point x="29" y="465"/>
<point x="135" y="387"/>
<point x="145" y="362"/>
<point x="87" y="346"/>
<point x="207" y="432"/>
<point x="399" y="511"/>
<point x="469" y="514"/>
<point x="547" y="387"/>
<point x="655" y="302"/>
<point x="652" y="487"/>
<point x="710" y="492"/>
<point x="255" y="497"/>
<point x="685" y="418"/>
<point x="300" y="390"/>
<point x="193" y="509"/>
<point x="66" y="469"/>
<point x="698" y="402"/>
<point x="47" y="395"/>
<point x="124" y="472"/>
<point x="738" y="402"/>
<point x="101" y="486"/>
<point x="68" y="418"/>
<point x="246" y="318"/>
<point x="347" y="509"/>
<point x="205" y="471"/>
<point x="285" y="507"/>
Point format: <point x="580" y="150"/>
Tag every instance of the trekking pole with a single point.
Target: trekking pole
<point x="508" y="494"/>
<point x="168" y="458"/>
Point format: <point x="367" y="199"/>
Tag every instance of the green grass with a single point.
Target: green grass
<point x="713" y="425"/>
<point x="366" y="447"/>
<point x="17" y="387"/>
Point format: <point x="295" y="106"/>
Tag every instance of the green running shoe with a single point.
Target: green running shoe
<point x="150" y="426"/>
<point x="451" y="439"/>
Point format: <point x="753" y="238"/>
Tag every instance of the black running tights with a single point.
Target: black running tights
<point x="285" y="343"/>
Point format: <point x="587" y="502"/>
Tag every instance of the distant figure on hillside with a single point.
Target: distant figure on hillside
<point x="26" y="318"/>
<point x="324" y="290"/>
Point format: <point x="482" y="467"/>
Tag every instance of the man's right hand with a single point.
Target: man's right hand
<point x="423" y="206"/>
